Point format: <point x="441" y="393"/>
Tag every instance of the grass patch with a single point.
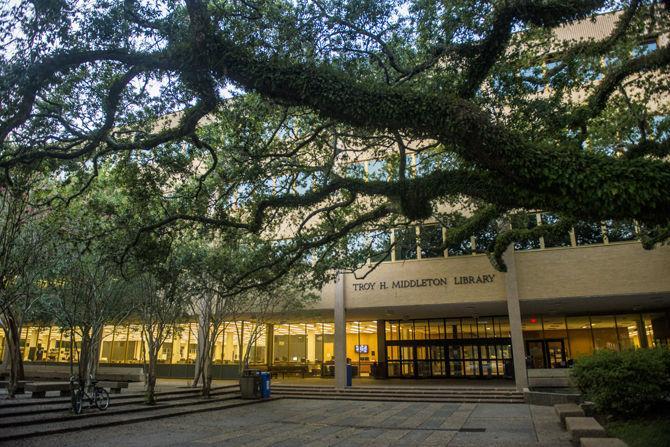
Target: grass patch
<point x="645" y="432"/>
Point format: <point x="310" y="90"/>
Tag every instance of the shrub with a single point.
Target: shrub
<point x="625" y="383"/>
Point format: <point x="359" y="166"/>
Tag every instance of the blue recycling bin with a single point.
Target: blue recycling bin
<point x="265" y="384"/>
<point x="350" y="372"/>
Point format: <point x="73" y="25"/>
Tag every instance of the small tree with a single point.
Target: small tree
<point x="88" y="294"/>
<point x="25" y="255"/>
<point x="160" y="302"/>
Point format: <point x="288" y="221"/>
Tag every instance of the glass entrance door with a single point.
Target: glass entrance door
<point x="536" y="354"/>
<point x="474" y="358"/>
<point x="548" y="353"/>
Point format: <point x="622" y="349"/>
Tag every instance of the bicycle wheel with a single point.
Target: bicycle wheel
<point x="77" y="402"/>
<point x="101" y="398"/>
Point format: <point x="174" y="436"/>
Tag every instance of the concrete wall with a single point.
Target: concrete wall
<point x="594" y="270"/>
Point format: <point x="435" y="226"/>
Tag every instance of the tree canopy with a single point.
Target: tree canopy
<point x="252" y="116"/>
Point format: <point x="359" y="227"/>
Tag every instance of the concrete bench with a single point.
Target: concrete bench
<point x="568" y="410"/>
<point x="39" y="389"/>
<point x="584" y="427"/>
<point x="114" y="387"/>
<point x="602" y="442"/>
<point x="21" y="386"/>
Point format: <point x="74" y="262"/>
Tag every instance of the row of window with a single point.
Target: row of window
<point x="580" y="335"/>
<point x="427" y="241"/>
<point x="531" y="75"/>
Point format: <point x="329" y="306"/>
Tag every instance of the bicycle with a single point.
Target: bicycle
<point x="98" y="398"/>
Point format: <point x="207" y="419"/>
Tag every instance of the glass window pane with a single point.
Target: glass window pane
<point x="562" y="240"/>
<point x="604" y="332"/>
<point x="420" y="329"/>
<point x="484" y="239"/>
<point x="165" y="352"/>
<point x="436" y="328"/>
<point x="554" y="327"/>
<point x="406" y="330"/>
<point x="532" y="328"/>
<point x="502" y="327"/>
<point x="629" y="328"/>
<point x="657" y="329"/>
<point x="377" y="170"/>
<point x="297" y="343"/>
<point x="367" y="344"/>
<point x="280" y="343"/>
<point x="328" y="342"/>
<point x="525" y="222"/>
<point x="430" y="241"/>
<point x="461" y="248"/>
<point x="118" y="347"/>
<point x="620" y="230"/>
<point x="579" y="335"/>
<point x="588" y="233"/>
<point x="453" y="328"/>
<point x="469" y="328"/>
<point x="380" y="246"/>
<point x="353" y="342"/>
<point x="136" y="352"/>
<point x="485" y="327"/>
<point x="405" y="243"/>
<point x="392" y="328"/>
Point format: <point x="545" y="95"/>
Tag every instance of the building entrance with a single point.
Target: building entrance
<point x="547" y="353"/>
<point x="472" y="358"/>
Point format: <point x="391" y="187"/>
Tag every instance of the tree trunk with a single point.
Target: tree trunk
<point x="16" y="373"/>
<point x="203" y="342"/>
<point x="84" y="356"/>
<point x="94" y="352"/>
<point x="151" y="375"/>
<point x="207" y="374"/>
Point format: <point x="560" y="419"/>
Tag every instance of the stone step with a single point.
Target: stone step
<point x="26" y="402"/>
<point x="401" y="388"/>
<point x="397" y="394"/>
<point x="400" y="391"/>
<point x="83" y="423"/>
<point x="568" y="410"/>
<point x="584" y="427"/>
<point x="7" y="419"/>
<point x="381" y="398"/>
<point x="602" y="442"/>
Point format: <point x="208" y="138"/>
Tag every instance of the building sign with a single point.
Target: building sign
<point x="424" y="282"/>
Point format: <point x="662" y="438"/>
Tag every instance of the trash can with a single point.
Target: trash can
<point x="250" y="384"/>
<point x="265" y="384"/>
<point x="350" y="372"/>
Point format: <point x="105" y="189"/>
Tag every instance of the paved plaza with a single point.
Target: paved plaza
<point x="293" y="422"/>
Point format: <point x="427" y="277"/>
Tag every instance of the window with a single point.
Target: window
<point x="620" y="230"/>
<point x="604" y="332"/>
<point x="377" y="170"/>
<point x="355" y="170"/>
<point x="525" y="222"/>
<point x="304" y="183"/>
<point x="531" y="78"/>
<point x="645" y="48"/>
<point x="460" y="248"/>
<point x="660" y="126"/>
<point x="579" y="336"/>
<point x="588" y="233"/>
<point x="484" y="239"/>
<point x="405" y="240"/>
<point x="562" y="240"/>
<point x="430" y="241"/>
<point x="380" y="246"/>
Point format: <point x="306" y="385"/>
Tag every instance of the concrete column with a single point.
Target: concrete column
<point x="269" y="343"/>
<point x="381" y="349"/>
<point x="340" y="334"/>
<point x="514" y="313"/>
